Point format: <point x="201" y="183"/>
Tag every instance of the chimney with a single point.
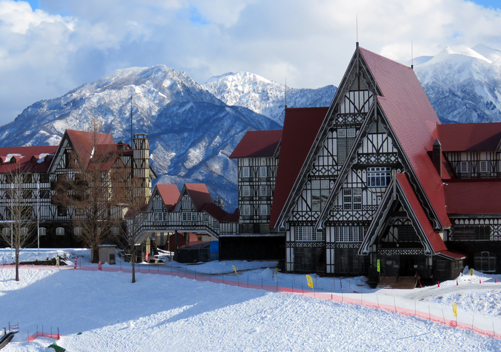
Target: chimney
<point x="436" y="156"/>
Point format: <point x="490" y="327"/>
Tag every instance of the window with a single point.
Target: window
<point x="345" y="140"/>
<point x="77" y="231"/>
<point x="27" y="178"/>
<point x="264" y="209"/>
<point x="62" y="210"/>
<point x="206" y="217"/>
<point x="264" y="190"/>
<point x="186" y="203"/>
<point x="246" y="209"/>
<point x="158" y="216"/>
<point x="319" y="194"/>
<point x="485" y="166"/>
<point x="115" y="231"/>
<point x="465" y="166"/>
<point x="44" y="177"/>
<point x="189" y="217"/>
<point x="6" y="231"/>
<point x="349" y="234"/>
<point x="245" y="171"/>
<point x="60" y="231"/>
<point x="352" y="199"/>
<point x="246" y="191"/>
<point x="378" y="176"/>
<point x="471" y="233"/>
<point x="263" y="171"/>
<point x="485" y="262"/>
<point x="79" y="211"/>
<point x="44" y="193"/>
<point x="27" y="194"/>
<point x="42" y="231"/>
<point x="306" y="233"/>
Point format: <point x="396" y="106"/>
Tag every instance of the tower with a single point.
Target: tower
<point x="141" y="165"/>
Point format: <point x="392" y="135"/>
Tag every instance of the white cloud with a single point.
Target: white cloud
<point x="44" y="54"/>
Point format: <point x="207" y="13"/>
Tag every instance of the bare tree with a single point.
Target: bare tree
<point x="19" y="215"/>
<point x="91" y="192"/>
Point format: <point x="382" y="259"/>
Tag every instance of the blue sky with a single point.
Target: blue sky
<point x="56" y="45"/>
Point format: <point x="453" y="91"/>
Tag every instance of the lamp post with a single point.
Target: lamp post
<point x="38" y="215"/>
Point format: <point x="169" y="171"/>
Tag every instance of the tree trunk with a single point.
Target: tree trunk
<point x="95" y="253"/>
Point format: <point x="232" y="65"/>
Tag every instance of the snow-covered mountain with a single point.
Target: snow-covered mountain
<point x="464" y="84"/>
<point x="264" y="96"/>
<point x="191" y="132"/>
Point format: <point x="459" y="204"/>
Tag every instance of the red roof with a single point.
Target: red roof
<point x="453" y="255"/>
<point x="31" y="160"/>
<point x="434" y="238"/>
<point x="199" y="194"/>
<point x="88" y="144"/>
<point x="413" y="121"/>
<point x="202" y="200"/>
<point x="257" y="144"/>
<point x="300" y="129"/>
<point x="470" y="136"/>
<point x="473" y="196"/>
<point x="170" y="195"/>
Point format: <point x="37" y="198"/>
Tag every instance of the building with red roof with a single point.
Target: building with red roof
<point x="46" y="173"/>
<point x="375" y="185"/>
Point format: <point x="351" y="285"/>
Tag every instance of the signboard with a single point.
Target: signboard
<point x="378" y="266"/>
<point x="310" y="281"/>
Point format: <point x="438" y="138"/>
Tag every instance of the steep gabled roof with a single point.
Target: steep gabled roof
<point x="28" y="159"/>
<point x="257" y="144"/>
<point x="470" y="137"/>
<point x="401" y="191"/>
<point x="473" y="197"/>
<point x="199" y="194"/>
<point x="202" y="200"/>
<point x="87" y="145"/>
<point x="300" y="129"/>
<point x="170" y="195"/>
<point x="413" y="121"/>
<point x="435" y="240"/>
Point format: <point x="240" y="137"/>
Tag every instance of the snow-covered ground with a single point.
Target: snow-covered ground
<point x="162" y="312"/>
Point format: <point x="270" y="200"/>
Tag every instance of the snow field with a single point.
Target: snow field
<point x="177" y="314"/>
<point x="165" y="312"/>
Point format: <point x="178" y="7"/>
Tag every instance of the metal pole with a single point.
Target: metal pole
<point x="38" y="215"/>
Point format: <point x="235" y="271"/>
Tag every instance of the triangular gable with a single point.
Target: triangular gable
<point x="414" y="123"/>
<point x="169" y="194"/>
<point x="401" y="190"/>
<point x="84" y="144"/>
<point x="356" y="76"/>
<point x="197" y="193"/>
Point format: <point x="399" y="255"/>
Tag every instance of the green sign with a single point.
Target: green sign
<point x="378" y="266"/>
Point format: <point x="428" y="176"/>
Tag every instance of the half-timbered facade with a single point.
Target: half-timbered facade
<point x="40" y="171"/>
<point x="367" y="185"/>
<point x="191" y="211"/>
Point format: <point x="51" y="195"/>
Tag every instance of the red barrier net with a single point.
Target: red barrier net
<point x="44" y="334"/>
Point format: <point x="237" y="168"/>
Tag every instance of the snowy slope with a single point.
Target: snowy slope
<point x="464" y="84"/>
<point x="264" y="96"/>
<point x="103" y="311"/>
<point x="191" y="132"/>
